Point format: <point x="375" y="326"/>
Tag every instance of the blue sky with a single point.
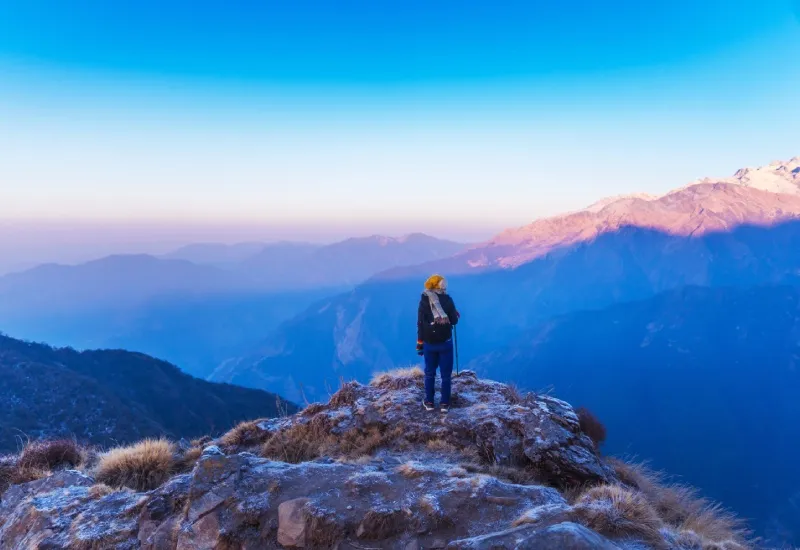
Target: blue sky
<point x="248" y="119"/>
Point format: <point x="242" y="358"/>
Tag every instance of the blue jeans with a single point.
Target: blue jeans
<point x="441" y="356"/>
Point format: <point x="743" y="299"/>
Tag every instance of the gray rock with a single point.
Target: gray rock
<point x="562" y="536"/>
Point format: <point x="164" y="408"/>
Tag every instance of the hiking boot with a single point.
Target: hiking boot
<point x="428" y="405"/>
<point x="444" y="407"/>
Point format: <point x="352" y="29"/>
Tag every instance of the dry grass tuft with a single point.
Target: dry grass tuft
<point x="381" y="524"/>
<point x="591" y="426"/>
<point x="715" y="524"/>
<point x="187" y="461"/>
<point x="300" y="442"/>
<point x="346" y="396"/>
<point x="358" y="442"/>
<point x="51" y="455"/>
<point x="25" y="474"/>
<point x="141" y="467"/>
<point x="512" y="394"/>
<point x="428" y="505"/>
<point x="324" y="531"/>
<point x="306" y="441"/>
<point x="398" y="379"/>
<point x="201" y="442"/>
<point x="244" y="434"/>
<point x="680" y="507"/>
<point x="457" y="471"/>
<point x="7" y="466"/>
<point x="313" y="409"/>
<point x="411" y="470"/>
<point x="442" y="446"/>
<point x="615" y="511"/>
<point x="100" y="490"/>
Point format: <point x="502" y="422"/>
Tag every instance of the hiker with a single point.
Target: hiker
<point x="435" y="320"/>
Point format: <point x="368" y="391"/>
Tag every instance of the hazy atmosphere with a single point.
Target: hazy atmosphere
<point x="139" y="127"/>
<point x="399" y="275"/>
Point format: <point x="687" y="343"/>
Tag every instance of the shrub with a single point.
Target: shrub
<point x="25" y="474"/>
<point x="346" y="395"/>
<point x="512" y="394"/>
<point x="615" y="511"/>
<point x="51" y="455"/>
<point x="142" y="467"/>
<point x="8" y="464"/>
<point x="398" y="379"/>
<point x="244" y="434"/>
<point x="591" y="426"/>
<point x="313" y="409"/>
<point x="298" y="443"/>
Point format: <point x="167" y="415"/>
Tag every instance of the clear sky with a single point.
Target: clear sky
<point x="314" y="119"/>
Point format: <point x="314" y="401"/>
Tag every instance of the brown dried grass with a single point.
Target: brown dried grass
<point x="51" y="454"/>
<point x="244" y="434"/>
<point x="142" y="467"/>
<point x="346" y="396"/>
<point x="616" y="511"/>
<point x="398" y="379"/>
<point x="680" y="507"/>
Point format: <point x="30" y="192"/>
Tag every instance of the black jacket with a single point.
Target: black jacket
<point x="429" y="332"/>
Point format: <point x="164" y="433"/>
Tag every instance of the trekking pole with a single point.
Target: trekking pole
<point x="455" y="338"/>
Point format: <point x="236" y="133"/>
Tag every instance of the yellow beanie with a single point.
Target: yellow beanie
<point x="436" y="282"/>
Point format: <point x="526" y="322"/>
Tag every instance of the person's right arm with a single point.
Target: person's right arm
<point x="452" y="312"/>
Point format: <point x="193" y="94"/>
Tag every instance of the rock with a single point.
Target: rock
<point x="17" y="493"/>
<point x="538" y="432"/>
<point x="292" y="523"/>
<point x="213" y="450"/>
<point x="414" y="491"/>
<point x="52" y="514"/>
<point x="563" y="536"/>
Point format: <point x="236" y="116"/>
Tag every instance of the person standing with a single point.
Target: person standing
<point x="436" y="317"/>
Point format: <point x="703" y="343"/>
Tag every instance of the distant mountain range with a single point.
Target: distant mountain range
<point x="111" y="397"/>
<point x="710" y="234"/>
<point x="200" y="304"/>
<point x="298" y="265"/>
<point x="705" y="206"/>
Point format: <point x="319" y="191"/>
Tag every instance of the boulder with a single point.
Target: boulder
<point x="292" y="525"/>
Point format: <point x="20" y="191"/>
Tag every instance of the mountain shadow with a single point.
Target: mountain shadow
<point x="701" y="381"/>
<point x="374" y="326"/>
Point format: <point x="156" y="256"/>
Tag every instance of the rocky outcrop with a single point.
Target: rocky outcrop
<point x="378" y="473"/>
<point x="489" y="420"/>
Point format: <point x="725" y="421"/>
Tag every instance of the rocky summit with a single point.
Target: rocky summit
<point x="370" y="469"/>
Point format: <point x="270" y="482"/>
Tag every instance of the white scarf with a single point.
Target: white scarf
<point x="439" y="315"/>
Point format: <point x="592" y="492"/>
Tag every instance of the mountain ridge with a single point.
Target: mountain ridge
<point x="709" y="204"/>
<point x="112" y="396"/>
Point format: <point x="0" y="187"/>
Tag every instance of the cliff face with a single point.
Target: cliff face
<point x="371" y="469"/>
